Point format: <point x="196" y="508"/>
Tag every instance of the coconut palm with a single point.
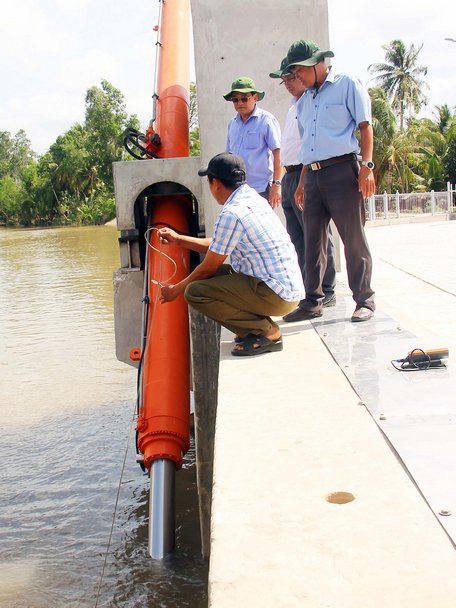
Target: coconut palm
<point x="401" y="79"/>
<point x="395" y="153"/>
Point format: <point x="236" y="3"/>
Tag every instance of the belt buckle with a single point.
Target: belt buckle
<point x="315" y="166"/>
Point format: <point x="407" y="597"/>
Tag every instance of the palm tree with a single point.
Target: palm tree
<point x="395" y="153"/>
<point x="400" y="78"/>
<point x="443" y="118"/>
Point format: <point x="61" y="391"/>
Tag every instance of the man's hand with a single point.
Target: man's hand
<point x="366" y="181"/>
<point x="275" y="195"/>
<point x="168" y="292"/>
<point x="168" y="236"/>
<point x="299" y="196"/>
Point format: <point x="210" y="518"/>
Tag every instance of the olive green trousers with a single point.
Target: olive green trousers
<point x="242" y="304"/>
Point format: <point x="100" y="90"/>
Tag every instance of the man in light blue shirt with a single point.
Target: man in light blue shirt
<point x="254" y="135"/>
<point x="263" y="279"/>
<point x="333" y="184"/>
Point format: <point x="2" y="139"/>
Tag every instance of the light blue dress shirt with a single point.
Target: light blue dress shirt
<point x="328" y="119"/>
<point x="248" y="230"/>
<point x="254" y="141"/>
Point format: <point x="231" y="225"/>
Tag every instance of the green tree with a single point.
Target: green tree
<point x="400" y="77"/>
<point x="15" y="154"/>
<point x="431" y="141"/>
<point x="395" y="154"/>
<point x="193" y="123"/>
<point x="11" y="195"/>
<point x="444" y="119"/>
<point x="106" y="119"/>
<point x="449" y="161"/>
<point x="70" y="163"/>
<point x="18" y="178"/>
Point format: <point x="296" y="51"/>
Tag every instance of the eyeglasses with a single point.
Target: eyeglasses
<point x="288" y="79"/>
<point x="238" y="99"/>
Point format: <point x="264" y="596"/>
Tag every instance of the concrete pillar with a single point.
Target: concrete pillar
<point x="233" y="39"/>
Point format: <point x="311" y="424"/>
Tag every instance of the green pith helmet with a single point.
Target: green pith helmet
<point x="306" y="53"/>
<point x="282" y="71"/>
<point x="244" y="84"/>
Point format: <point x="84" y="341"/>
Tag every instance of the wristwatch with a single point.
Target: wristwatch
<point x="368" y="163"/>
<point x="277" y="182"/>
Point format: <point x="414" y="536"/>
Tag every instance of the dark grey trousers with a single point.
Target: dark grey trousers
<point x="332" y="193"/>
<point x="295" y="228"/>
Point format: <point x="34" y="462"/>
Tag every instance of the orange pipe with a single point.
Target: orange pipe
<point x="164" y="414"/>
<point x="173" y="79"/>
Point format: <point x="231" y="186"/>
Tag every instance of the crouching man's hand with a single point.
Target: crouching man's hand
<point x="169" y="293"/>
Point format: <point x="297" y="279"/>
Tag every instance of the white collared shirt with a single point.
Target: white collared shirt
<point x="290" y="143"/>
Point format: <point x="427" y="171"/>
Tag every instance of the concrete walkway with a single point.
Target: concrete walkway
<point x="311" y="506"/>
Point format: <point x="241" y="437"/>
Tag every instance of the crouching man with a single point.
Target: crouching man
<point x="263" y="278"/>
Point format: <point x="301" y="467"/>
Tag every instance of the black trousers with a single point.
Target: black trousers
<point x="295" y="228"/>
<point x="332" y="193"/>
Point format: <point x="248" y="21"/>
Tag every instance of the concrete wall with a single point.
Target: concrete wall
<point x="131" y="178"/>
<point x="245" y="38"/>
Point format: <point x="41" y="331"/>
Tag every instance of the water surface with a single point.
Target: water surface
<point x="73" y="501"/>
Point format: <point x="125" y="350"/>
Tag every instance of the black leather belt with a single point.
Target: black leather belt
<point x="291" y="168"/>
<point x="331" y="161"/>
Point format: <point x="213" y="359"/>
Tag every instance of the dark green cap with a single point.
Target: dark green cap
<point x="306" y="53"/>
<point x="244" y="84"/>
<point x="282" y="71"/>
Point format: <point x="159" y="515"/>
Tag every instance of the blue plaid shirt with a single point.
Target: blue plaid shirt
<point x="248" y="230"/>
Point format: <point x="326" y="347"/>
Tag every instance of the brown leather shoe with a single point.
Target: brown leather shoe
<point x="301" y="314"/>
<point x="362" y="314"/>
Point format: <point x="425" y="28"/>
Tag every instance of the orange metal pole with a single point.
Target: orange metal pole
<point x="173" y="82"/>
<point x="163" y="420"/>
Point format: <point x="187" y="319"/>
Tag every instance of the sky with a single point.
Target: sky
<point x="52" y="51"/>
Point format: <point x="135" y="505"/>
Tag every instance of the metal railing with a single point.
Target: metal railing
<point x="388" y="206"/>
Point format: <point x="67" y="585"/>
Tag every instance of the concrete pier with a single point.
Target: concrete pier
<point x="312" y="504"/>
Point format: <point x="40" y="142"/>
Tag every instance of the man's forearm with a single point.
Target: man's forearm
<point x="366" y="141"/>
<point x="277" y="167"/>
<point x="201" y="245"/>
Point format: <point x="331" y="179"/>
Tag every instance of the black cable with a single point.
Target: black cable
<point x="131" y="140"/>
<point x="410" y="364"/>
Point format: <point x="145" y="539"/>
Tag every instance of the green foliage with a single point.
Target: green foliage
<point x="400" y="78"/>
<point x="10" y="200"/>
<point x="97" y="209"/>
<point x="195" y="142"/>
<point x="17" y="177"/>
<point x="72" y="182"/>
<point x="106" y="119"/>
<point x="450" y="161"/>
<point x="193" y="122"/>
<point x="15" y="154"/>
<point x="395" y="153"/>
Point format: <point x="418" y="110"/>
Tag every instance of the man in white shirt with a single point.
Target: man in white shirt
<point x="290" y="146"/>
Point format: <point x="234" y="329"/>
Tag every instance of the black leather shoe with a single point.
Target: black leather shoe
<point x="301" y="314"/>
<point x="329" y="301"/>
<point x="362" y="314"/>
